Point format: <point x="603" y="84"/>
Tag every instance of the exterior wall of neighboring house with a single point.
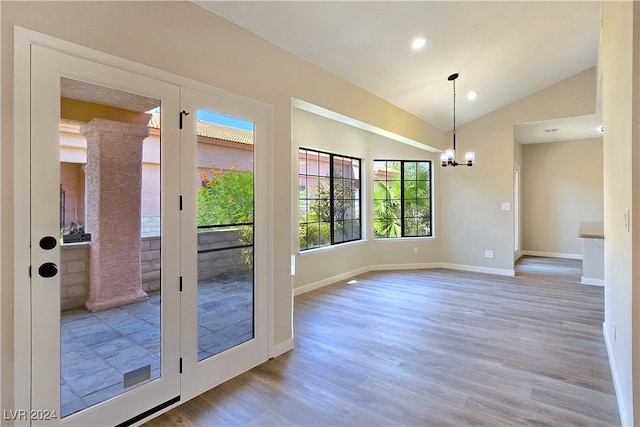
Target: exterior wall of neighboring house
<point x="310" y="167"/>
<point x="314" y="169"/>
<point x="213" y="154"/>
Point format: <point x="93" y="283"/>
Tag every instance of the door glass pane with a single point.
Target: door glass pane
<point x="225" y="188"/>
<point x="110" y="237"/>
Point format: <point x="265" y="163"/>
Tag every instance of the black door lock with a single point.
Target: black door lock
<point x="48" y="242"/>
<point x="48" y="269"/>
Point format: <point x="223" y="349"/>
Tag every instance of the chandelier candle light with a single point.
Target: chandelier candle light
<point x="448" y="158"/>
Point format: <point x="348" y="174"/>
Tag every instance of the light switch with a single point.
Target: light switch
<point x="627" y="220"/>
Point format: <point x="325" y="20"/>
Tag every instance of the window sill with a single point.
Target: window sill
<point x="331" y="247"/>
<point x="402" y="239"/>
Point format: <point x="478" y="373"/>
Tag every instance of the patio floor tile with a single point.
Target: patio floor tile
<point x="97" y="349"/>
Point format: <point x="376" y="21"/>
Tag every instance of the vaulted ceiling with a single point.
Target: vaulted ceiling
<point x="503" y="50"/>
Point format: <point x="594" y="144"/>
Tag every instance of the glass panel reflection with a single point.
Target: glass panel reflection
<point x="225" y="182"/>
<point x="110" y="254"/>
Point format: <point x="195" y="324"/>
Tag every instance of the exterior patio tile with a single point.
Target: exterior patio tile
<point x="148" y="336"/>
<point x="132" y="326"/>
<point x="130" y="358"/>
<point x="73" y="406"/>
<point x="98" y="348"/>
<point x="113" y="347"/>
<point x="73" y="353"/>
<point x="96" y="338"/>
<point x="97" y="380"/>
<point x="86" y="326"/>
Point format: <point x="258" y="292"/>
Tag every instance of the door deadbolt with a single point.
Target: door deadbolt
<point x="48" y="269"/>
<point x="48" y="242"/>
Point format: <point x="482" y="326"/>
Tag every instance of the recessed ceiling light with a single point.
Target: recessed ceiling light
<point x="419" y="42"/>
<point x="472" y="96"/>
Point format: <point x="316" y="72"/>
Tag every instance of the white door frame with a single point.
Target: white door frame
<point x="517" y="208"/>
<point x="23" y="40"/>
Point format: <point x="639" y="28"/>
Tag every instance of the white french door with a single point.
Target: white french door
<point x="141" y="293"/>
<point x="105" y="339"/>
<point x="224" y="239"/>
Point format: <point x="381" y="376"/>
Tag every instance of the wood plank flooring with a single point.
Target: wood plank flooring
<point x="431" y="348"/>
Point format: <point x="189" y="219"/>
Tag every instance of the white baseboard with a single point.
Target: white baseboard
<point x="415" y="266"/>
<point x="476" y="269"/>
<point x="552" y="254"/>
<point x="591" y="281"/>
<point x="626" y="414"/>
<point x="281" y="348"/>
<point x="381" y="267"/>
<point x="330" y="280"/>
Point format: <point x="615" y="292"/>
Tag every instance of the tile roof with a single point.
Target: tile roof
<point x="214" y="131"/>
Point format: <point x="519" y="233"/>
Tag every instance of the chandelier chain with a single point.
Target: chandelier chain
<point x="454" y="106"/>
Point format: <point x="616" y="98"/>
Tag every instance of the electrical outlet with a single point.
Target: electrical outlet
<point x="415" y="249"/>
<point x="506" y="206"/>
<point x="488" y="253"/>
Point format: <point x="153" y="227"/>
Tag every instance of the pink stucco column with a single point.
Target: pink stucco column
<point x="113" y="192"/>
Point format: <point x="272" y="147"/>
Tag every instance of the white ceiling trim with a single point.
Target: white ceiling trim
<point x="555" y="130"/>
<point x="323" y="112"/>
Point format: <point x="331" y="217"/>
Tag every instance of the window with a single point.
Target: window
<point x="329" y="186"/>
<point x="401" y="198"/>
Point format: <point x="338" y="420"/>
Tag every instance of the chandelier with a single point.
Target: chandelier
<point x="448" y="158"/>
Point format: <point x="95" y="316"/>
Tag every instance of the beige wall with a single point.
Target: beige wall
<point x="618" y="51"/>
<point x="472" y="219"/>
<point x="562" y="185"/>
<point x="325" y="265"/>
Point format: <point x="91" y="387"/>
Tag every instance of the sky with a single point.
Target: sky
<point x="220" y="119"/>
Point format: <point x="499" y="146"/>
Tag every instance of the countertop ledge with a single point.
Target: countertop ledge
<point x="591" y="230"/>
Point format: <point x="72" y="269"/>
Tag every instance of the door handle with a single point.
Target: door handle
<point x="48" y="269"/>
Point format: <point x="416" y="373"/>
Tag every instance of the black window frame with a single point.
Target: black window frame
<point x="336" y="185"/>
<point x="403" y="199"/>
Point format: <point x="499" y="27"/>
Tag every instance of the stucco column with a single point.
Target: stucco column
<point x="113" y="194"/>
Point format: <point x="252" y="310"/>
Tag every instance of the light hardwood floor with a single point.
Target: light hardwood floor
<point x="431" y="348"/>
